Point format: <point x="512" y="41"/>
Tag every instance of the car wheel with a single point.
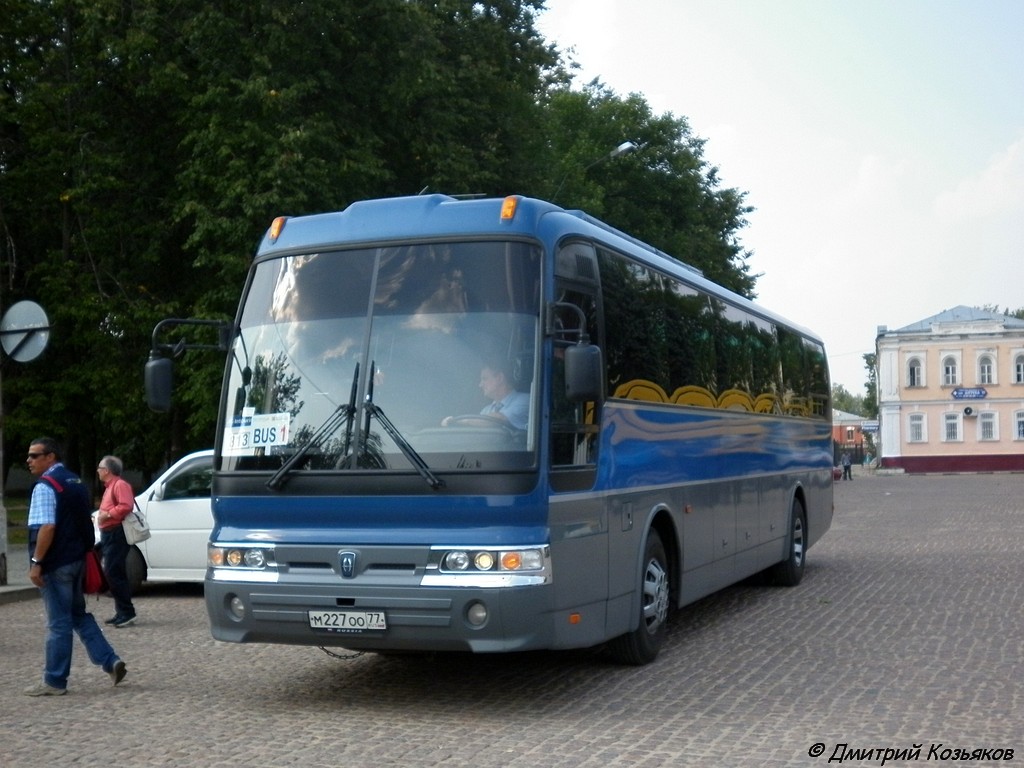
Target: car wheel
<point x="135" y="565"/>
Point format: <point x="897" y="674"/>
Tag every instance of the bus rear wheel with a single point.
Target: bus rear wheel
<point x="641" y="646"/>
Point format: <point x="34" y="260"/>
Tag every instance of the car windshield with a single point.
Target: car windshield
<point x="376" y="359"/>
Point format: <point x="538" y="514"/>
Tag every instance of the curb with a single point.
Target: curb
<point x="17" y="594"/>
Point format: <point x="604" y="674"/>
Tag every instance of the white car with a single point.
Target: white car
<point x="177" y="508"/>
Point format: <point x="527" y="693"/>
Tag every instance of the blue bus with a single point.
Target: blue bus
<point x="495" y="425"/>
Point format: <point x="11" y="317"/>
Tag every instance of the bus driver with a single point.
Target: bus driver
<point x="508" y="405"/>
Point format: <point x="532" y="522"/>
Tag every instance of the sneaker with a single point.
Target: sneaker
<point x="118" y="671"/>
<point x="123" y="621"/>
<point x="43" y="689"/>
<point x="113" y="619"/>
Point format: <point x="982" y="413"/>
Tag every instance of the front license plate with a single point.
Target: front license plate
<point x="348" y="621"/>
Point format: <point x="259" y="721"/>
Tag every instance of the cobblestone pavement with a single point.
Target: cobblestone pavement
<point x="907" y="630"/>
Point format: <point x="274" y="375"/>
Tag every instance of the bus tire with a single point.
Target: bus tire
<point x="641" y="646"/>
<point x="790" y="571"/>
<point x="135" y="566"/>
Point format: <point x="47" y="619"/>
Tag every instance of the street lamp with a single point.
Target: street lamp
<point x="623" y="149"/>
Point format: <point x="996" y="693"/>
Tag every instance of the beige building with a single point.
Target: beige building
<point x="951" y="393"/>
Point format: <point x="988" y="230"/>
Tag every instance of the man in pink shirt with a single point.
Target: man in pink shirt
<point x="118" y="501"/>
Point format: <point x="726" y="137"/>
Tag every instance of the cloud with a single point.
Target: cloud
<point x="997" y="190"/>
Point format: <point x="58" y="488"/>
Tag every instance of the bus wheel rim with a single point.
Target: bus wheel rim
<point x="655" y="595"/>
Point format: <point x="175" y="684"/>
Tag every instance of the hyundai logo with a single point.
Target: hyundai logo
<point x="348" y="564"/>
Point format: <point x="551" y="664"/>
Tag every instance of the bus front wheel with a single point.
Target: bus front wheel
<point x="641" y="646"/>
<point x="790" y="571"/>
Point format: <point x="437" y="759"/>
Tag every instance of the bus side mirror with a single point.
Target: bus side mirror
<point x="159" y="383"/>
<point x="584" y="373"/>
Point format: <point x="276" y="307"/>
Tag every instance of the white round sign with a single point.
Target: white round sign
<point x="24" y="331"/>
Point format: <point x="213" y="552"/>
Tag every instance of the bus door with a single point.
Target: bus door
<point x="575" y="424"/>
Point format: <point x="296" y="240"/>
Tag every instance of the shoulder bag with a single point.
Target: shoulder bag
<point x="136" y="528"/>
<point x="94" y="582"/>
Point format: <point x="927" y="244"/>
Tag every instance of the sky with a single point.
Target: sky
<point x="881" y="143"/>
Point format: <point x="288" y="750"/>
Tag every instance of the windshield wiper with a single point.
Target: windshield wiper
<point x="372" y="409"/>
<point x="342" y="415"/>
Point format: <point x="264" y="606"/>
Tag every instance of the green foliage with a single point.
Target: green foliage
<point x="665" y="193"/>
<point x="1017" y="313"/>
<point x="146" y="146"/>
<point x="842" y="400"/>
<point x="870" y="407"/>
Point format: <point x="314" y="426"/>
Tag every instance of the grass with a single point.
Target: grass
<point x="17" y="517"/>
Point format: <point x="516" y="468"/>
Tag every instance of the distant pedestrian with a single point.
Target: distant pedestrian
<point x="847" y="463"/>
<point x="60" y="532"/>
<point x="118" y="502"/>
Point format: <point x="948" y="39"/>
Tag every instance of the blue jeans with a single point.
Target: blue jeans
<point x="65" y="615"/>
<point x="115" y="548"/>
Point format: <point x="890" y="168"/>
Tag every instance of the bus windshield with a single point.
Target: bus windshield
<point x="387" y="359"/>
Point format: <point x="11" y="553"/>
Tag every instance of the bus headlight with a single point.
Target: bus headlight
<point x="522" y="560"/>
<point x="484" y="561"/>
<point x="252" y="558"/>
<point x="487" y="567"/>
<point x="456" y="561"/>
<point x="490" y="560"/>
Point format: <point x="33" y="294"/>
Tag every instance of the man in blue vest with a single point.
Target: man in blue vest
<point x="60" y="533"/>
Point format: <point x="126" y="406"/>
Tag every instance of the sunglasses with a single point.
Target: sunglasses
<point x="36" y="455"/>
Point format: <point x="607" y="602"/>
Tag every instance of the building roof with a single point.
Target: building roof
<point x="961" y="315"/>
<point x="842" y="417"/>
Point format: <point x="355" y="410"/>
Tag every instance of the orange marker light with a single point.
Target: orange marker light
<point x="574" y="618"/>
<point x="276" y="226"/>
<point x="511" y="561"/>
<point x="508" y="208"/>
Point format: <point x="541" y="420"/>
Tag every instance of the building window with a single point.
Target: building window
<point x="952" y="423"/>
<point x="1018" y="420"/>
<point x="949" y="375"/>
<point x="1018" y="369"/>
<point x="985" y="371"/>
<point x="914" y="378"/>
<point x="916" y="430"/>
<point x="988" y="426"/>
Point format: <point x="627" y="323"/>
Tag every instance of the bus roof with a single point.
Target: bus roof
<point x="436" y="216"/>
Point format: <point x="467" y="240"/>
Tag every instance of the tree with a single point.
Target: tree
<point x="842" y="400"/>
<point x="82" y="178"/>
<point x="146" y="146"/>
<point x="665" y="193"/>
<point x="871" y="398"/>
<point x="994" y="308"/>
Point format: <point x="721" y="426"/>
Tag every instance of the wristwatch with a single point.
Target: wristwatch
<point x="34" y="561"/>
